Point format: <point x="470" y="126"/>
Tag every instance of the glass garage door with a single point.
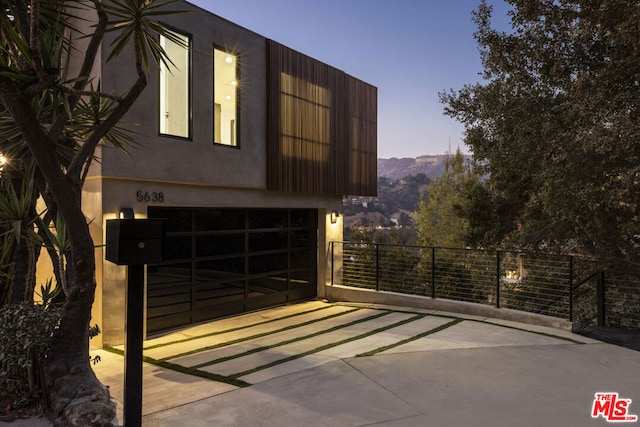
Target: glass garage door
<point x="227" y="261"/>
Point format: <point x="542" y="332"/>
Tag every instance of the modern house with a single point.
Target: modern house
<point x="246" y="147"/>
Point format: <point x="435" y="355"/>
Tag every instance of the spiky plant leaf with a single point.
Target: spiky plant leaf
<point x="135" y="19"/>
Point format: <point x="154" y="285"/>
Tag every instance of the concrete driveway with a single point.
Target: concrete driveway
<point x="323" y="364"/>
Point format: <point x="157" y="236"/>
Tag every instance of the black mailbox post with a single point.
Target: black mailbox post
<point x="134" y="243"/>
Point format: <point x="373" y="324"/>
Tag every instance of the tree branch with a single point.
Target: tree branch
<point x="81" y="93"/>
<point x="85" y="70"/>
<point x="22" y="16"/>
<point x="34" y="41"/>
<point x="87" y="149"/>
<point x="41" y="147"/>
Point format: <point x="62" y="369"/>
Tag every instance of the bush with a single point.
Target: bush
<point x="25" y="333"/>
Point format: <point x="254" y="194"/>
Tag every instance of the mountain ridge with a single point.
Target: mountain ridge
<point x="397" y="168"/>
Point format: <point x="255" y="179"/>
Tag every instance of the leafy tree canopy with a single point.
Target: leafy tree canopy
<point x="555" y="127"/>
<point x="439" y="220"/>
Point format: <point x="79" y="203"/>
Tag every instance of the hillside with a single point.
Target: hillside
<point x="394" y="168"/>
<point x="396" y="203"/>
<point x="401" y="184"/>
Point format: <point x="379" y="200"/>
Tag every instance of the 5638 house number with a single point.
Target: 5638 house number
<point x="150" y="196"/>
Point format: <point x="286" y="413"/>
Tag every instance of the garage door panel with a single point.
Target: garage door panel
<point x="214" y="253"/>
<point x="219" y="294"/>
<point x="164" y="323"/>
<point x="268" y="300"/>
<point x="166" y="309"/>
<point x="302" y="293"/>
<point x="219" y="310"/>
<point x="169" y="300"/>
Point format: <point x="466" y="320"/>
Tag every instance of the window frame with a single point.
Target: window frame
<point x="189" y="48"/>
<point x="238" y="97"/>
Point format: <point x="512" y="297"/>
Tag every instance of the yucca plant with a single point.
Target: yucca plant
<point x="17" y="218"/>
<point x="55" y="120"/>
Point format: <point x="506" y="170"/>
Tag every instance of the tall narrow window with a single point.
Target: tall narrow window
<point x="175" y="102"/>
<point x="225" y="88"/>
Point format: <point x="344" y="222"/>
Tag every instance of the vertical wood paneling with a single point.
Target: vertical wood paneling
<point x="362" y="142"/>
<point x="322" y="127"/>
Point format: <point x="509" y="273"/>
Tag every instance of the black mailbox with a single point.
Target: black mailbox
<point x="135" y="241"/>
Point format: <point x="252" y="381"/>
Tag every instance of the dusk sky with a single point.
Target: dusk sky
<point x="409" y="49"/>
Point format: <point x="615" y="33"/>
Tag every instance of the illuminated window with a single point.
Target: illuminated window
<point x="175" y="102"/>
<point x="225" y="93"/>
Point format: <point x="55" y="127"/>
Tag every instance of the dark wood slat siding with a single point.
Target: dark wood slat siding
<point x="362" y="142"/>
<point x="305" y="153"/>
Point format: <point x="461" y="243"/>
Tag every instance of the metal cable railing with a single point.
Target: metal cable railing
<point x="531" y="282"/>
<point x="621" y="300"/>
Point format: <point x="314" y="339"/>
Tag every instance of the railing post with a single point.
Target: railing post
<point x="601" y="299"/>
<point x="497" y="279"/>
<point x="377" y="267"/>
<point x="433" y="272"/>
<point x="570" y="288"/>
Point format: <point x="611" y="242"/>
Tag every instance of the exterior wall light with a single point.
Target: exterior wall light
<point x="126" y="213"/>
<point x="334" y="217"/>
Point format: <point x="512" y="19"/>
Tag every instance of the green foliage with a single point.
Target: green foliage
<point x="555" y="128"/>
<point x="94" y="331"/>
<point x="53" y="117"/>
<point x="399" y="269"/>
<point x="72" y="115"/>
<point x="91" y="112"/>
<point x="137" y="24"/>
<point x="59" y="239"/>
<point x="19" y="61"/>
<point x="16" y="211"/>
<point x="392" y="235"/>
<point x="48" y="293"/>
<point x="439" y="219"/>
<point x="17" y="240"/>
<point x="25" y="333"/>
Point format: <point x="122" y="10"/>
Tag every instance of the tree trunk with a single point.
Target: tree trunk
<point x="22" y="273"/>
<point x="77" y="397"/>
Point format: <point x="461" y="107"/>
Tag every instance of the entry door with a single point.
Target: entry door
<point x="226" y="261"/>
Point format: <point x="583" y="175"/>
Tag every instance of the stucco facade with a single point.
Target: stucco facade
<point x="164" y="171"/>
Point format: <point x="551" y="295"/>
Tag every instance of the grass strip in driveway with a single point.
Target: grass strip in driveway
<point x="455" y="322"/>
<point x="292" y="340"/>
<point x="398" y="309"/>
<point x="544" y="334"/>
<point x="260" y="335"/>
<point x="239" y="328"/>
<point x="463" y="317"/>
<point x="413" y="338"/>
<point x="185" y="370"/>
<point x="327" y="346"/>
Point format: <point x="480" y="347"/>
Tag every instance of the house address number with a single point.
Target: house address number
<point x="150" y="196"/>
